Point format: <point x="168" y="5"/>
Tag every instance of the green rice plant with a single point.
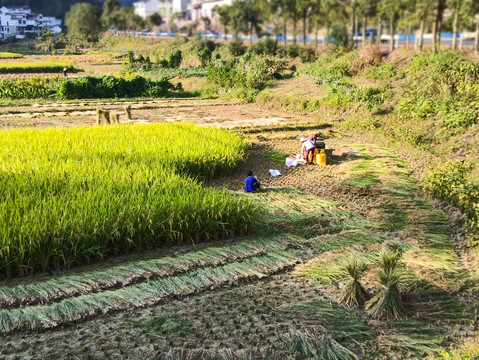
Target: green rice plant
<point x="9" y="55"/>
<point x="387" y="303"/>
<point x="73" y="195"/>
<point x="414" y="336"/>
<point x="145" y="294"/>
<point x="353" y="293"/>
<point x="35" y="67"/>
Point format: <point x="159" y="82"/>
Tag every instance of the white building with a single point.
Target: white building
<point x="19" y="21"/>
<point x="166" y="8"/>
<point x="204" y="8"/>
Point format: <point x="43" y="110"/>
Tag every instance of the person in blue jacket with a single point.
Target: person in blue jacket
<point x="251" y="183"/>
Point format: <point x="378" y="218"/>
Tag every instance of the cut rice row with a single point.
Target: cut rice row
<point x="149" y="293"/>
<point x="131" y="273"/>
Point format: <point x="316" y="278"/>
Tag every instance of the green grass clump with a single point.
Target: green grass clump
<point x="276" y="157"/>
<point x="34" y="67"/>
<point x="72" y="194"/>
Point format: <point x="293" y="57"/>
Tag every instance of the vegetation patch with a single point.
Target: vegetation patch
<point x="114" y="87"/>
<point x="34" y="67"/>
<point x="32" y="88"/>
<point x="134" y="272"/>
<point x="167" y="323"/>
<point x="10" y="55"/>
<point x="90" y="192"/>
<point x="276" y="157"/>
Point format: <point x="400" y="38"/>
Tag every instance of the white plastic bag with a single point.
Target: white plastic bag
<point x="291" y="162"/>
<point x="275" y="172"/>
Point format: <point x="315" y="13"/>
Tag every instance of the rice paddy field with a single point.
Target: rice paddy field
<point x="136" y="240"/>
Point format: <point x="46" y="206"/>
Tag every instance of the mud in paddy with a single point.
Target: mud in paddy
<point x="278" y="295"/>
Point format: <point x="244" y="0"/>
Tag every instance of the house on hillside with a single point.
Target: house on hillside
<point x="188" y="11"/>
<point x="204" y="8"/>
<point x="18" y="21"/>
<point x="168" y="9"/>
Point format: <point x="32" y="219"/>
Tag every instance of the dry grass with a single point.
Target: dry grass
<point x="368" y="56"/>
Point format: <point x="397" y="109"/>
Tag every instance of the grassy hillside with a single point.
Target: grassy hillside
<point x="425" y="102"/>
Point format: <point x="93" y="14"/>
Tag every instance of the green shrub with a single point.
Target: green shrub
<point x="175" y="59"/>
<point x="267" y="47"/>
<point x="307" y="54"/>
<point x="248" y="71"/>
<point x="88" y="87"/>
<point x="236" y="47"/>
<point x="382" y="72"/>
<point x="290" y="51"/>
<point x="443" y="86"/>
<point x="372" y="97"/>
<point x="449" y="181"/>
<point x="205" y="57"/>
<point x="32" y="88"/>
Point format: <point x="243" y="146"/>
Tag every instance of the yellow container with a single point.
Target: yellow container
<point x="315" y="157"/>
<point x="321" y="158"/>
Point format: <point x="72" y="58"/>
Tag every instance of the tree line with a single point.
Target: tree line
<point x="309" y="16"/>
<point x="85" y="21"/>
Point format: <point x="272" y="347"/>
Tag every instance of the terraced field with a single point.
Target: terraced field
<point x="271" y="295"/>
